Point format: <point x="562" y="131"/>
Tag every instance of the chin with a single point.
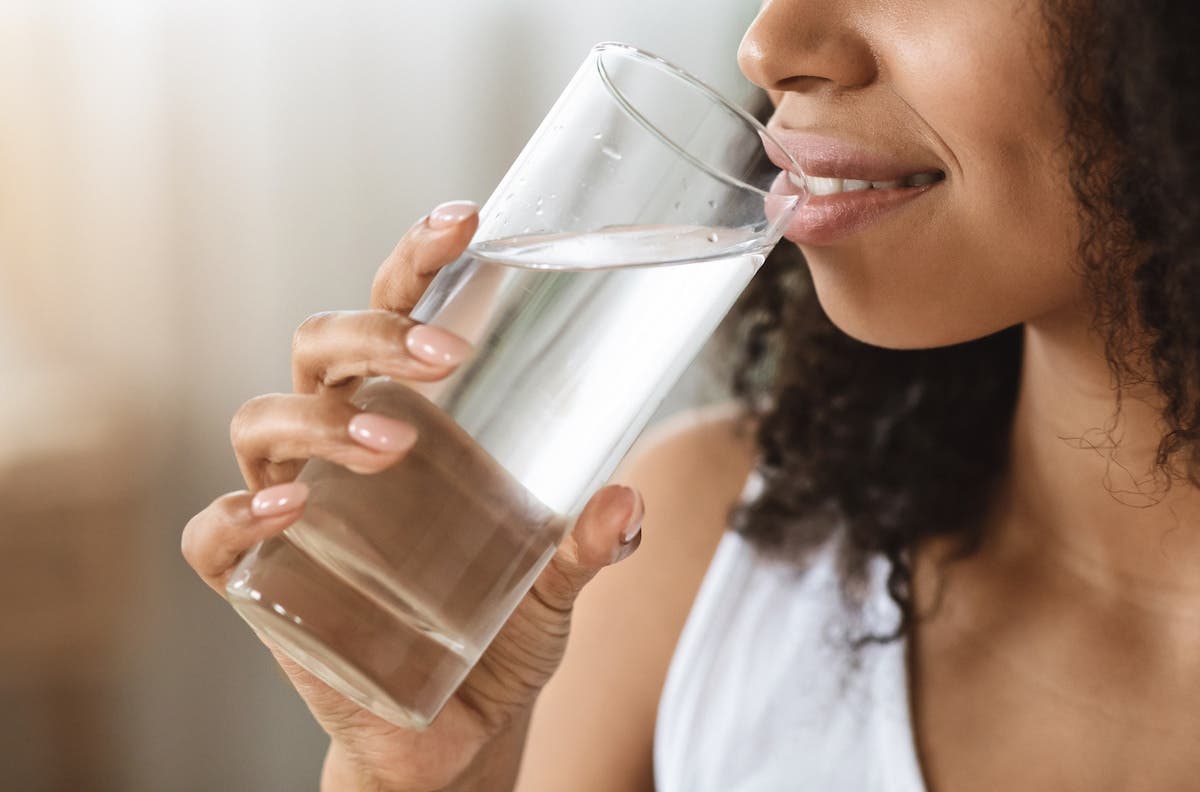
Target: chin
<point x="905" y="322"/>
<point x="919" y="301"/>
<point x="902" y="338"/>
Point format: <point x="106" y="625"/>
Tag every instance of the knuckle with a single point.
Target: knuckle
<point x="187" y="542"/>
<point x="557" y="586"/>
<point x="192" y="548"/>
<point x="247" y="418"/>
<point x="210" y="539"/>
<point x="198" y="531"/>
<point x="311" y="327"/>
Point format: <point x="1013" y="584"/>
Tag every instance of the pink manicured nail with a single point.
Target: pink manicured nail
<point x="434" y="345"/>
<point x="280" y="499"/>
<point x="451" y="213"/>
<point x="382" y="433"/>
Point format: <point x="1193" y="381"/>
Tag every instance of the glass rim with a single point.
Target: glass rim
<point x="642" y="55"/>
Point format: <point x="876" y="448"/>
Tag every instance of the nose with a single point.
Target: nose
<point x="807" y="46"/>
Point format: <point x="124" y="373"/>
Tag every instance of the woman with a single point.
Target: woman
<point x="967" y="524"/>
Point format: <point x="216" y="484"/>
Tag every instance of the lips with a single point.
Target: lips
<point x="896" y="179"/>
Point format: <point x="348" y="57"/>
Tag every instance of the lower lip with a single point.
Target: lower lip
<point x="826" y="219"/>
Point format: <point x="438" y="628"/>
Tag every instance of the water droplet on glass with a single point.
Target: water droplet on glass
<point x="526" y="229"/>
<point x="712" y="204"/>
<point x="538" y="213"/>
<point x="598" y="136"/>
<point x="713" y="237"/>
<point x="553" y="196"/>
<point x="539" y="201"/>
<point x="677" y="205"/>
<point x="611" y="153"/>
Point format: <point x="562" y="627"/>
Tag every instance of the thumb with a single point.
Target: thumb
<point x="606" y="531"/>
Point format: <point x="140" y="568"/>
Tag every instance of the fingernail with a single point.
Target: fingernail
<point x="451" y="213"/>
<point x="381" y="433"/>
<point x="437" y="346"/>
<point x="280" y="499"/>
<point x="634" y="526"/>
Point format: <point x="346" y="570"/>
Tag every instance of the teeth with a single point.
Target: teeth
<point x="818" y="185"/>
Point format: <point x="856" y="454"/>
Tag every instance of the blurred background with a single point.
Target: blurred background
<point x="181" y="184"/>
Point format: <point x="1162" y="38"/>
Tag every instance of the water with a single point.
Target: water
<point x="392" y="584"/>
<point x="579" y="337"/>
<point x="404" y="573"/>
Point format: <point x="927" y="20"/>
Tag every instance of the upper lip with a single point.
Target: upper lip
<point x="829" y="157"/>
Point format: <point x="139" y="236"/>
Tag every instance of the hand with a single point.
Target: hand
<point x="274" y="435"/>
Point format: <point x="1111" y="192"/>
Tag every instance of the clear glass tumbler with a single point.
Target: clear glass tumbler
<point x="610" y="252"/>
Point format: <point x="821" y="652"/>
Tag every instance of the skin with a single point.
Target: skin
<point x="476" y="741"/>
<point x="1064" y="655"/>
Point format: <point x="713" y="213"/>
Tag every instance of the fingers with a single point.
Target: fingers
<point x="273" y="435"/>
<point x="432" y="243"/>
<point x="336" y="349"/>
<point x="216" y="538"/>
<point x="528" y="649"/>
<point x="607" y="531"/>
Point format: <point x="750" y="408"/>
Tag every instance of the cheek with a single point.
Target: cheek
<point x="981" y="256"/>
<point x="963" y="275"/>
<point x="1012" y="218"/>
<point x="996" y="245"/>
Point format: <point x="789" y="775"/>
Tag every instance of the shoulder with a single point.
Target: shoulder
<point x="708" y="449"/>
<point x="690" y="468"/>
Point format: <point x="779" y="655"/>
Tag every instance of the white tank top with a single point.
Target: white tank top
<point x="762" y="694"/>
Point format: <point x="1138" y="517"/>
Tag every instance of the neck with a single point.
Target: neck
<point x="1083" y="492"/>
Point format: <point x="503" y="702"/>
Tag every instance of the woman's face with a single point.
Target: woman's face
<point x="913" y="90"/>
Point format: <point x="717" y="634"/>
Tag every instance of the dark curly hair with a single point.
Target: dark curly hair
<point x="885" y="448"/>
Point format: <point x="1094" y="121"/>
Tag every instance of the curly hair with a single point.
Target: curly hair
<point x="886" y="448"/>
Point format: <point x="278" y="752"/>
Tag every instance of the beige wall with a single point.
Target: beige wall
<point x="181" y="183"/>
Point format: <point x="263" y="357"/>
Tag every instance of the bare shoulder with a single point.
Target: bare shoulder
<point x="714" y="430"/>
<point x="593" y="727"/>
<point x="691" y="468"/>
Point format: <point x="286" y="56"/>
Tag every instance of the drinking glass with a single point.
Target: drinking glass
<point x="620" y="237"/>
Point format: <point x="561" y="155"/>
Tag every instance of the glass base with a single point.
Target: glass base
<point x="379" y="658"/>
